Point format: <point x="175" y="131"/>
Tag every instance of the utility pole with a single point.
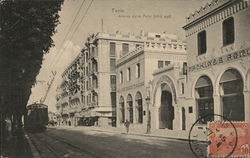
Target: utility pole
<point x="49" y="86"/>
<point x="148" y="115"/>
<point x="102" y="24"/>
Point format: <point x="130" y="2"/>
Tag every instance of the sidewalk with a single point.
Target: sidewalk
<point x="174" y="135"/>
<point x="16" y="146"/>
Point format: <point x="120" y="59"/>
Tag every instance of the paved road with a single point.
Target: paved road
<point x="86" y="143"/>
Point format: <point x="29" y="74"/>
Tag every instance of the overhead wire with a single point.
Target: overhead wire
<point x="84" y="15"/>
<point x="72" y="24"/>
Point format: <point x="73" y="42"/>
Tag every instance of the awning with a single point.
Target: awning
<point x="103" y="109"/>
<point x="88" y="113"/>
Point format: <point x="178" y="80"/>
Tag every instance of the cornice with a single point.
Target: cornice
<point x="226" y="10"/>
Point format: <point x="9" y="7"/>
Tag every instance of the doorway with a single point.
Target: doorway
<point x="166" y="111"/>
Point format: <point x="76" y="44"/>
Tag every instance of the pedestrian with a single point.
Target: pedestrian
<point x="126" y="124"/>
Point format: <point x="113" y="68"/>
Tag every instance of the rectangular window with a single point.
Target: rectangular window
<point x="184" y="68"/>
<point x="167" y="63"/>
<point x="113" y="99"/>
<point x="87" y="85"/>
<point x="160" y="64"/>
<point x="182" y="88"/>
<point x="113" y="79"/>
<point x="92" y="50"/>
<point x="190" y="109"/>
<point x="112" y="64"/>
<point x="125" y="48"/>
<point x="121" y="77"/>
<point x="202" y="42"/>
<point x="228" y="31"/>
<point x="112" y="49"/>
<point x="138" y="70"/>
<point x="128" y="74"/>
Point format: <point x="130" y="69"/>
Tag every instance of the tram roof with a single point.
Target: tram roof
<point x="31" y="106"/>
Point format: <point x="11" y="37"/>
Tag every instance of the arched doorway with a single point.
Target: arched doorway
<point x="138" y="100"/>
<point x="130" y="108"/>
<point x="183" y="118"/>
<point x="166" y="110"/>
<point x="122" y="109"/>
<point x="204" y="98"/>
<point x="232" y="97"/>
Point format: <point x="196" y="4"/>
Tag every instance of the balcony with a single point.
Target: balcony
<point x="94" y="55"/>
<point x="113" y="87"/>
<point x="94" y="104"/>
<point x="93" y="72"/>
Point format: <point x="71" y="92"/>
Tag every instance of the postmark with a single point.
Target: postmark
<point x="216" y="138"/>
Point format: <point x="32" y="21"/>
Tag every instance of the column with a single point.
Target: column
<point x="217" y="106"/>
<point x="247" y="105"/>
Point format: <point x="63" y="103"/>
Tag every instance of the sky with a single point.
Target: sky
<point x="125" y="16"/>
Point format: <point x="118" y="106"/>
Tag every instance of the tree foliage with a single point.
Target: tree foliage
<point x="26" y="29"/>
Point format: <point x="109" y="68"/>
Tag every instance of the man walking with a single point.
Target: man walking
<point x="126" y="124"/>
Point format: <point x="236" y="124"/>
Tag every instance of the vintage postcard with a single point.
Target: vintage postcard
<point x="124" y="78"/>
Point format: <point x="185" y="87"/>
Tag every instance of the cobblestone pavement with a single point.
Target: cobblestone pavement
<point x="84" y="142"/>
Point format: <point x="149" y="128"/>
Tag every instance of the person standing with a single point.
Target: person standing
<point x="126" y="124"/>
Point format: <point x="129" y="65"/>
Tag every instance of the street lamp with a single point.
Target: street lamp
<point x="148" y="115"/>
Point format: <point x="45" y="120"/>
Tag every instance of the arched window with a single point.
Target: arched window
<point x="122" y="109"/>
<point x="138" y="100"/>
<point x="204" y="98"/>
<point x="231" y="89"/>
<point x="130" y="108"/>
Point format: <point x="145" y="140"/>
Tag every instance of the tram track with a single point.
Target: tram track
<point x="62" y="140"/>
<point x="41" y="143"/>
<point x="44" y="140"/>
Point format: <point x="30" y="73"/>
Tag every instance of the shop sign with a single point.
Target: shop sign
<point x="221" y="60"/>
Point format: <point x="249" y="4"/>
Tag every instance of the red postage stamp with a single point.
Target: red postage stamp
<point x="228" y="139"/>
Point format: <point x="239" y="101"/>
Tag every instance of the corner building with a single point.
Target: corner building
<point x="138" y="71"/>
<point x="218" y="61"/>
<point x="99" y="74"/>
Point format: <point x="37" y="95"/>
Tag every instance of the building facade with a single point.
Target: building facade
<point x="88" y="89"/>
<point x="219" y="62"/>
<point x="139" y="72"/>
<point x="69" y="94"/>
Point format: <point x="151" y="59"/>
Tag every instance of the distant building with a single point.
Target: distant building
<point x="69" y="96"/>
<point x="52" y="118"/>
<point x="218" y="62"/>
<point x="153" y="66"/>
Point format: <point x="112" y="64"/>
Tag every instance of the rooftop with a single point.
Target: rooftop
<point x="207" y="9"/>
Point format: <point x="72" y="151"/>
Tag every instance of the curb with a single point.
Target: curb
<point x="34" y="151"/>
<point x="146" y="135"/>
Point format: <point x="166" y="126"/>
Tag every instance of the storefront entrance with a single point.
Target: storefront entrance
<point x="166" y="111"/>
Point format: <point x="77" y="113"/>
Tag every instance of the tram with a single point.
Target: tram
<point x="36" y="118"/>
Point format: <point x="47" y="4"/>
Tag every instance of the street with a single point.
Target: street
<point x="87" y="143"/>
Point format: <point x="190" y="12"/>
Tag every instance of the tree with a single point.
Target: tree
<point x="26" y="30"/>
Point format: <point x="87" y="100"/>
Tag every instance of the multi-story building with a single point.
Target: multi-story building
<point x="218" y="62"/>
<point x="99" y="73"/>
<point x="69" y="94"/>
<point x="142" y="73"/>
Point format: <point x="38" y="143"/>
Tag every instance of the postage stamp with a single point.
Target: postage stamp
<point x="219" y="137"/>
<point x="225" y="142"/>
